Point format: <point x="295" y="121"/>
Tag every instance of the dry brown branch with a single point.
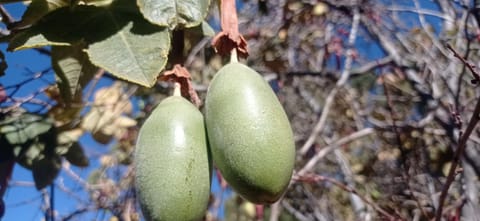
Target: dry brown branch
<point x="320" y="125"/>
<point x="340" y="142"/>
<point x="462" y="142"/>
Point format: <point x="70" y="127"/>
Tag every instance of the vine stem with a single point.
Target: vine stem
<point x="177" y="90"/>
<point x="233" y="56"/>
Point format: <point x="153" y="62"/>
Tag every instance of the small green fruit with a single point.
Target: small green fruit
<point x="250" y="136"/>
<point x="173" y="166"/>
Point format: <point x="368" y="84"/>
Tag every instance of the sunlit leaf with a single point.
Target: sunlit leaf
<point x="135" y="53"/>
<point x="20" y="129"/>
<point x="320" y="9"/>
<point x="26" y="154"/>
<point x="173" y="13"/>
<point x="73" y="70"/>
<point x="97" y="2"/>
<point x="119" y="126"/>
<point x="27" y="137"/>
<point x="118" y="39"/>
<point x="106" y="118"/>
<point x="66" y="139"/>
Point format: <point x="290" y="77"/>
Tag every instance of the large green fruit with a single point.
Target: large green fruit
<point x="173" y="166"/>
<point x="250" y="136"/>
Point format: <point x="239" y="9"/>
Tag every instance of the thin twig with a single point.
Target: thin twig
<point x="340" y="83"/>
<point x="469" y="65"/>
<point x="297" y="214"/>
<point x="195" y="50"/>
<point x="323" y="152"/>
<point x="75" y="213"/>
<point x="66" y="168"/>
<point x="456" y="159"/>
<point x="94" y="82"/>
<point x="464" y="136"/>
<point x="275" y="210"/>
<point x="319" y="178"/>
<point x="51" y="209"/>
<point x="420" y="12"/>
<point x="6" y="17"/>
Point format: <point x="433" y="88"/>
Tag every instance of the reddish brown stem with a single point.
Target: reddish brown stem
<point x="229" y="19"/>
<point x="456" y="159"/>
<point x="469" y="65"/>
<point x="180" y="75"/>
<point x="229" y="38"/>
<point x="462" y="143"/>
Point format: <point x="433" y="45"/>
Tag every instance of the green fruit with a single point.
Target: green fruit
<point x="173" y="166"/>
<point x="249" y="133"/>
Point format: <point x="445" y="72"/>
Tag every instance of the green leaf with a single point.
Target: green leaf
<point x="118" y="39"/>
<point x="27" y="137"/>
<point x="58" y="28"/>
<point x="66" y="139"/>
<point x="38" y="8"/>
<point x="76" y="155"/>
<point x="204" y="29"/>
<point x="98" y="2"/>
<point x="32" y="140"/>
<point x="45" y="170"/>
<point x="72" y="69"/>
<point x="20" y="129"/>
<point x="26" y="155"/>
<point x="173" y="13"/>
<point x="137" y="52"/>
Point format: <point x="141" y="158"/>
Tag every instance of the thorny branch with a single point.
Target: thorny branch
<point x="229" y="38"/>
<point x="462" y="143"/>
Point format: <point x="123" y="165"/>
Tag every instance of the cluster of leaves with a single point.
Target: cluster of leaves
<point x="129" y="39"/>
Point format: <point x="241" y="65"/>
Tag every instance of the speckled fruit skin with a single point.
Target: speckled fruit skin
<point x="172" y="162"/>
<point x="250" y="136"/>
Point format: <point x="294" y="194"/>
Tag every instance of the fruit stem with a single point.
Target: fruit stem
<point x="177" y="89"/>
<point x="233" y="56"/>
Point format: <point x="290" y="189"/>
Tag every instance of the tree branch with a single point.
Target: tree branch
<point x="340" y="83"/>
